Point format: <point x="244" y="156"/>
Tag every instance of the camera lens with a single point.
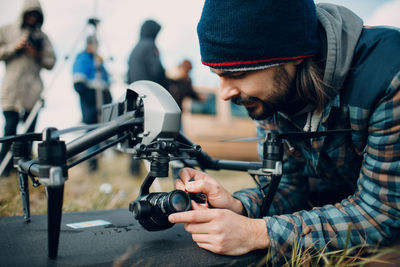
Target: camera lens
<point x="175" y="201"/>
<point x="152" y="210"/>
<point x="180" y="201"/>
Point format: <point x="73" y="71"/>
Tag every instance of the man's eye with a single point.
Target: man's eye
<point x="238" y="75"/>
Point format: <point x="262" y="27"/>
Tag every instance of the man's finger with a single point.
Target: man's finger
<point x="191" y="216"/>
<point x="207" y="246"/>
<point x="179" y="185"/>
<point x="200" y="186"/>
<point x="187" y="174"/>
<point x="198" y="206"/>
<point x="201" y="238"/>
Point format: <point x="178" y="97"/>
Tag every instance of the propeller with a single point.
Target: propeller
<point x="295" y="136"/>
<point x="27" y="137"/>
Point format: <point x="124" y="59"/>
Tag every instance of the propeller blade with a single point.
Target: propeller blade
<point x="22" y="137"/>
<point x="248" y="139"/>
<point x="310" y="135"/>
<point x="76" y="129"/>
<point x="54" y="211"/>
<point x="292" y="135"/>
<point x="38" y="136"/>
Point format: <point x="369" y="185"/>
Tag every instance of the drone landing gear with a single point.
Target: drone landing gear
<point x="52" y="173"/>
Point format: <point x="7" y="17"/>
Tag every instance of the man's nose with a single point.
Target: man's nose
<point x="227" y="89"/>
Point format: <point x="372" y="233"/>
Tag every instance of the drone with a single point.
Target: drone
<point x="144" y="123"/>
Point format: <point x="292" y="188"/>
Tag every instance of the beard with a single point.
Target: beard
<point x="284" y="100"/>
<point x="267" y="109"/>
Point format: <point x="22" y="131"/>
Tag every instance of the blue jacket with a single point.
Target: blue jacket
<point x="90" y="70"/>
<point x="91" y="81"/>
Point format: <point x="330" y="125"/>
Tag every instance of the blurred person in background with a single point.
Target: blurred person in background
<point x="25" y="49"/>
<point x="180" y="83"/>
<point x="180" y="87"/>
<point x="144" y="64"/>
<point x="92" y="83"/>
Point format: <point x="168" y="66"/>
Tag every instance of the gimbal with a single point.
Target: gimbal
<point x="145" y="124"/>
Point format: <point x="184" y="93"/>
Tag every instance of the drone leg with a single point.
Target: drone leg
<point x="267" y="201"/>
<point x="54" y="206"/>
<point x="24" y="191"/>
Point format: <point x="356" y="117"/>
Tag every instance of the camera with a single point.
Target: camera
<point x="152" y="210"/>
<point x="35" y="38"/>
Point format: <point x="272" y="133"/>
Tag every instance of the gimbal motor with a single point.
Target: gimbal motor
<point x="156" y="142"/>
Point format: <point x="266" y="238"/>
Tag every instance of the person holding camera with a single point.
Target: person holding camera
<point x="25" y="49"/>
<point x="297" y="67"/>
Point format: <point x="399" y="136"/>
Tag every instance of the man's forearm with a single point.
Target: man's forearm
<point x="237" y="207"/>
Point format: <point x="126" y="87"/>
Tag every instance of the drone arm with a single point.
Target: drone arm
<point x="101" y="134"/>
<point x="232" y="165"/>
<point x="206" y="162"/>
<point x="203" y="160"/>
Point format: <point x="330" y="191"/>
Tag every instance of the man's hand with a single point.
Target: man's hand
<point x="194" y="181"/>
<point x="32" y="51"/>
<point x="223" y="231"/>
<point x="21" y="43"/>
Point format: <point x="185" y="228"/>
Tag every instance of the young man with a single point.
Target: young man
<point x="298" y="67"/>
<point x="92" y="83"/>
<point x="26" y="50"/>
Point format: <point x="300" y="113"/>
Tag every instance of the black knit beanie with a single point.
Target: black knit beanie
<point x="241" y="35"/>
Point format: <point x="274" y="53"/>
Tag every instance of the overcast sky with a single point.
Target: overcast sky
<point x="66" y="25"/>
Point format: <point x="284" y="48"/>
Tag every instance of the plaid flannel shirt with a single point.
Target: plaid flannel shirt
<point x="368" y="158"/>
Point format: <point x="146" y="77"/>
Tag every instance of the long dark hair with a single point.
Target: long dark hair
<point x="310" y="84"/>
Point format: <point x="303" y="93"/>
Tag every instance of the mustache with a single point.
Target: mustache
<point x="238" y="100"/>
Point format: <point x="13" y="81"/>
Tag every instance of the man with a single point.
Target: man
<point x="297" y="67"/>
<point x="144" y="64"/>
<point x="25" y="49"/>
<point x="180" y="87"/>
<point x="92" y="83"/>
<point x="180" y="83"/>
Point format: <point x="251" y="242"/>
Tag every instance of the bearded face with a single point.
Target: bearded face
<point x="282" y="99"/>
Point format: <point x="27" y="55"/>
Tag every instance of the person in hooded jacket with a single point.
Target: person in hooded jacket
<point x="144" y="61"/>
<point x="298" y="67"/>
<point x="144" y="64"/>
<point x="25" y="49"/>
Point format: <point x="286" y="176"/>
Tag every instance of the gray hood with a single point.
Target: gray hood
<point x="31" y="5"/>
<point x="343" y="29"/>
